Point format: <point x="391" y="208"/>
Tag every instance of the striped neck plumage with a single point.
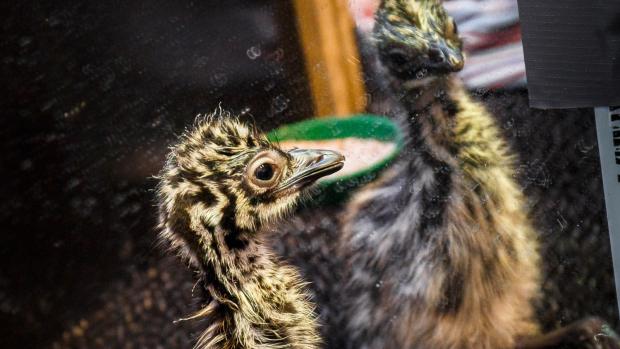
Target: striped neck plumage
<point x="431" y="105"/>
<point x="221" y="184"/>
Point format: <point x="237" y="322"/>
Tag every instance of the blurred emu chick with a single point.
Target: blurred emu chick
<point x="440" y="250"/>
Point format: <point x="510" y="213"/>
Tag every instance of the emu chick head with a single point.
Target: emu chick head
<point x="226" y="176"/>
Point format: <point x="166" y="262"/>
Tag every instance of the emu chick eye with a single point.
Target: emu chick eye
<point x="264" y="172"/>
<point x="265" y="169"/>
<point x="398" y="57"/>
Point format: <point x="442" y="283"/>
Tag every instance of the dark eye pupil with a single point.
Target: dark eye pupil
<point x="398" y="57"/>
<point x="264" y="172"/>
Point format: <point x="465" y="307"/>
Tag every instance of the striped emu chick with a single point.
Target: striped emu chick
<point x="440" y="250"/>
<point x="220" y="185"/>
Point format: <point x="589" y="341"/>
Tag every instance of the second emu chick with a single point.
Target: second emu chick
<point x="440" y="251"/>
<point x="221" y="183"/>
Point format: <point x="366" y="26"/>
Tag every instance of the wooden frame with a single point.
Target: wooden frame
<point x="327" y="34"/>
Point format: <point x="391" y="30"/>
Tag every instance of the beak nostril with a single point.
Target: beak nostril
<point x="435" y="55"/>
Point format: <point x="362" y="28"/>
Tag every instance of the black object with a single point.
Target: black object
<point x="572" y="52"/>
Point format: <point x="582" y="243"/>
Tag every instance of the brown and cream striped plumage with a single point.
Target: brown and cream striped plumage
<point x="452" y="261"/>
<point x="212" y="204"/>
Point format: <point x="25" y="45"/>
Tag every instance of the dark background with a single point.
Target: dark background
<point x="92" y="95"/>
<point x="572" y="52"/>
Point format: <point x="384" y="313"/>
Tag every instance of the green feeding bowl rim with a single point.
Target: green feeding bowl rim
<point x="361" y="126"/>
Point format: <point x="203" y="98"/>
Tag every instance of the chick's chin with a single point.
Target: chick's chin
<point x="271" y="212"/>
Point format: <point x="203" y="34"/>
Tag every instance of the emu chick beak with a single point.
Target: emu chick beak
<point x="310" y="165"/>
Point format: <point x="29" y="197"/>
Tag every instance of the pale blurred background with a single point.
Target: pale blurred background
<point x="491" y="34"/>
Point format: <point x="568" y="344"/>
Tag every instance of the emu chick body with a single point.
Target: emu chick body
<point x="440" y="251"/>
<point x="211" y="209"/>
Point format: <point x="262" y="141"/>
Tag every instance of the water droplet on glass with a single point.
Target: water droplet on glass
<point x="26" y="164"/>
<point x="277" y="55"/>
<point x="280" y="103"/>
<point x="219" y="79"/>
<point x="253" y="52"/>
<point x="245" y="110"/>
<point x="270" y="86"/>
<point x="25" y="41"/>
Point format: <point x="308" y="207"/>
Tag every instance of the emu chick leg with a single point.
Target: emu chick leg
<point x="589" y="333"/>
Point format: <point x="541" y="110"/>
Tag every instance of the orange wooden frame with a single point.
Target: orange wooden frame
<point x="327" y="34"/>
